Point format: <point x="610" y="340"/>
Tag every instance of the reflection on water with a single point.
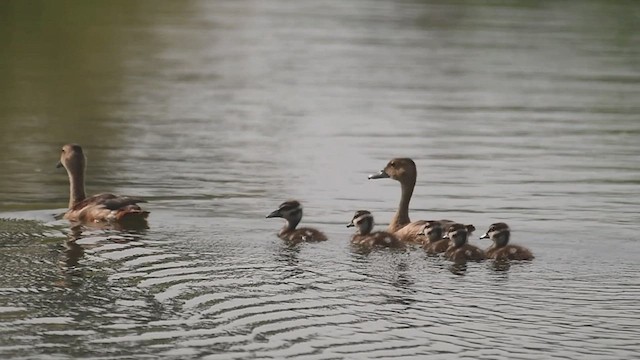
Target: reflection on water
<point x="214" y="111"/>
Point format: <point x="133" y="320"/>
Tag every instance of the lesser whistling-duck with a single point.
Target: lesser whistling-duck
<point x="404" y="171"/>
<point x="98" y="208"/>
<point x="363" y="220"/>
<point x="499" y="233"/>
<point x="291" y="211"/>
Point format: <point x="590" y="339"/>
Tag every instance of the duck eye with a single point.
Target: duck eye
<point x="393" y="164"/>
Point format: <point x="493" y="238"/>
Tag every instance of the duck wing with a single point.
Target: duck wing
<point x="120" y="202"/>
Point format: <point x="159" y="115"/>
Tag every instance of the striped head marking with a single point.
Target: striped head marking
<point x="363" y="220"/>
<point x="457" y="234"/>
<point x="432" y="230"/>
<point x="499" y="233"/>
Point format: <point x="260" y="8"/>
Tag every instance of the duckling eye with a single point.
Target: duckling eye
<point x="393" y="164"/>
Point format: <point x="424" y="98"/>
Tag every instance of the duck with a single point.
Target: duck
<point x="459" y="249"/>
<point x="433" y="243"/>
<point x="291" y="211"/>
<point x="499" y="233"/>
<point x="404" y="171"/>
<point x="100" y="208"/>
<point x="363" y="220"/>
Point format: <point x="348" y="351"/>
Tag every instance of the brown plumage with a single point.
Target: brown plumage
<point x="460" y="250"/>
<point x="363" y="220"/>
<point x="433" y="242"/>
<point x="404" y="171"/>
<point x="98" y="208"/>
<point x="500" y="233"/>
<point x="291" y="211"/>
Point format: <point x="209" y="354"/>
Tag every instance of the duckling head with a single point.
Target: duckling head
<point x="432" y="230"/>
<point x="289" y="210"/>
<point x="499" y="233"/>
<point x="363" y="220"/>
<point x="457" y="234"/>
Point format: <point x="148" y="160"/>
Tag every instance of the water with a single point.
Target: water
<point x="218" y="111"/>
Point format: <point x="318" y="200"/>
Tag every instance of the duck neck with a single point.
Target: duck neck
<point x="401" y="217"/>
<point x="292" y="222"/>
<point x="365" y="226"/>
<point x="76" y="188"/>
<point x="501" y="239"/>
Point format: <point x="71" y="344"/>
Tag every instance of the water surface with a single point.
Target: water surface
<point x="218" y="111"/>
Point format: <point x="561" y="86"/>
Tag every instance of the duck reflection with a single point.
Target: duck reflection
<point x="459" y="267"/>
<point x="287" y="254"/>
<point x="500" y="265"/>
<point x="71" y="252"/>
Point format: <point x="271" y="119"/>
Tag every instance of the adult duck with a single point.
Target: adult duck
<point x="404" y="171"/>
<point x="99" y="208"/>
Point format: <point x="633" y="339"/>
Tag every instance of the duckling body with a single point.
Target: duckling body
<point x="103" y="207"/>
<point x="500" y="233"/>
<point x="364" y="236"/>
<point x="404" y="171"/>
<point x="434" y="243"/>
<point x="291" y="211"/>
<point x="460" y="250"/>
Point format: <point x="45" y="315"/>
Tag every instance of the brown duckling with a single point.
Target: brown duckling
<point x="433" y="242"/>
<point x="291" y="211"/>
<point x="499" y="233"/>
<point x="459" y="248"/>
<point x="363" y="220"/>
<point x="404" y="171"/>
<point x="98" y="208"/>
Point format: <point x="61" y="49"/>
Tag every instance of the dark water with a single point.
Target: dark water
<point x="523" y="112"/>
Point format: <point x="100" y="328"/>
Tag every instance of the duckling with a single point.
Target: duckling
<point x="98" y="208"/>
<point x="499" y="233"/>
<point x="404" y="171"/>
<point x="433" y="242"/>
<point x="363" y="236"/>
<point x="460" y="249"/>
<point x="291" y="211"/>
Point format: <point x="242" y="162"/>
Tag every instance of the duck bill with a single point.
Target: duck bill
<point x="380" y="175"/>
<point x="59" y="165"/>
<point x="350" y="225"/>
<point x="485" y="236"/>
<point x="275" y="213"/>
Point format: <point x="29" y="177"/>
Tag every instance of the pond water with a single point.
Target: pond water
<point x="216" y="112"/>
